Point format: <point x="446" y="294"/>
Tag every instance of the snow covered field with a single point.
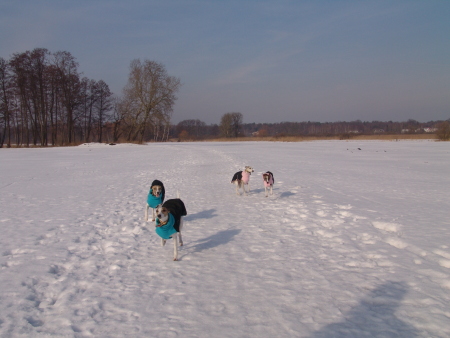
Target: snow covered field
<point x="353" y="243"/>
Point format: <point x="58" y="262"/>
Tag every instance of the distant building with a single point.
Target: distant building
<point x="378" y="131"/>
<point x="430" y="130"/>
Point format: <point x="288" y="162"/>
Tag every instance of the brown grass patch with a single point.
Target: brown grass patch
<point x="396" y="137"/>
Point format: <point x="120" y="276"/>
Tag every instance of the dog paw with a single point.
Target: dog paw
<point x="181" y="243"/>
<point x="175" y="259"/>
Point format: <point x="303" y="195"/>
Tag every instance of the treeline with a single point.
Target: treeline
<point x="337" y="128"/>
<point x="197" y="130"/>
<point x="45" y="100"/>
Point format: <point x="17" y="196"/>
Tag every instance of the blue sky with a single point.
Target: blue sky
<point x="271" y="60"/>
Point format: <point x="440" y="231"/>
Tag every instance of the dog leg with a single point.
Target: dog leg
<point x="271" y="190"/>
<point x="163" y="242"/>
<point x="265" y="191"/>
<point x="175" y="246"/>
<point x="179" y="233"/>
<point x="237" y="187"/>
<point x="153" y="214"/>
<point x="146" y="212"/>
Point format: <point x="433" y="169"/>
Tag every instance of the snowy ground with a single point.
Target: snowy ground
<point x="353" y="243"/>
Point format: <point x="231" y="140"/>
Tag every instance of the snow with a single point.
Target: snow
<point x="353" y="243"/>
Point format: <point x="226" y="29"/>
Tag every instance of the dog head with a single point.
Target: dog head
<point x="162" y="214"/>
<point x="156" y="190"/>
<point x="248" y="169"/>
<point x="266" y="177"/>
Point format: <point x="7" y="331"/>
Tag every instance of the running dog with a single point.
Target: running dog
<point x="242" y="179"/>
<point x="169" y="222"/>
<point x="269" y="180"/>
<point x="155" y="197"/>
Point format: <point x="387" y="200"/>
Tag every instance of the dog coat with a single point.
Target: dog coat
<point x="176" y="209"/>
<point x="245" y="177"/>
<point x="167" y="230"/>
<point x="241" y="176"/>
<point x="154" y="201"/>
<point x="271" y="179"/>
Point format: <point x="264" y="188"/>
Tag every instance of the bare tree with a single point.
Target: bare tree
<point x="148" y="99"/>
<point x="6" y="103"/>
<point x="69" y="82"/>
<point x="443" y="131"/>
<point x="236" y="123"/>
<point x="88" y="96"/>
<point x="225" y="125"/>
<point x="193" y="128"/>
<point x="117" y="119"/>
<point x="104" y="104"/>
<point x="231" y="124"/>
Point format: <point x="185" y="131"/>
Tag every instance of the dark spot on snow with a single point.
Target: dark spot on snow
<point x="286" y="194"/>
<point x="34" y="321"/>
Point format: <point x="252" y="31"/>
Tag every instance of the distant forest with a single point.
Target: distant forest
<point x="196" y="129"/>
<point x="45" y="101"/>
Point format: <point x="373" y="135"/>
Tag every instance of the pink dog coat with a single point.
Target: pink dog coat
<point x="245" y="177"/>
<point x="270" y="183"/>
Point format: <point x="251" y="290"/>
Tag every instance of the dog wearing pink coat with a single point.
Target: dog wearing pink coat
<point x="242" y="179"/>
<point x="268" y="180"/>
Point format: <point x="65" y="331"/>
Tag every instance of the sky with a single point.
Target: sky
<point x="272" y="61"/>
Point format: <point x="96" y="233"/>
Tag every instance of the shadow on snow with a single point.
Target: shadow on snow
<point x="374" y="316"/>
<point x="221" y="238"/>
<point x="206" y="214"/>
<point x="286" y="194"/>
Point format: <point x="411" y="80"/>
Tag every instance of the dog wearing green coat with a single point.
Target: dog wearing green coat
<point x="169" y="222"/>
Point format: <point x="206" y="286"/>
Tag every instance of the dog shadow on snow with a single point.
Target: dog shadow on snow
<point x="220" y="238"/>
<point x="286" y="194"/>
<point x="257" y="190"/>
<point x="205" y="214"/>
<point x="374" y="316"/>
